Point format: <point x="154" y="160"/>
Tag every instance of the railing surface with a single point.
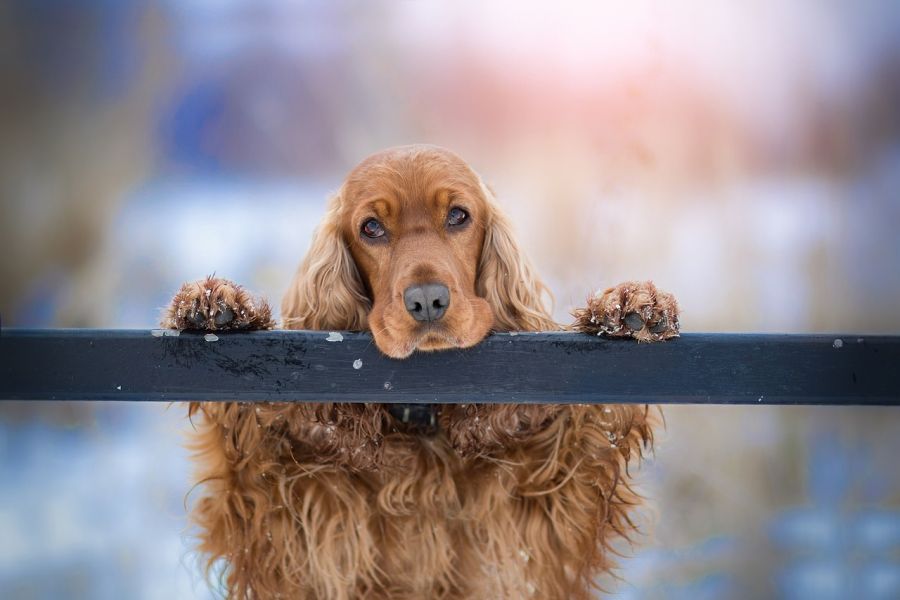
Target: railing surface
<point x="156" y="365"/>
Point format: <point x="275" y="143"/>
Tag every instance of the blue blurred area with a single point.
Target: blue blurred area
<point x="845" y="544"/>
<point x="843" y="541"/>
<point x="183" y="132"/>
<point x="95" y="508"/>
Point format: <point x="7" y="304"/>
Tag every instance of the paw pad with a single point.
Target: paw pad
<point x="216" y="304"/>
<point x="633" y="309"/>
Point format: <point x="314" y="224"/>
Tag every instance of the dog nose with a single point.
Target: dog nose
<point x="427" y="302"/>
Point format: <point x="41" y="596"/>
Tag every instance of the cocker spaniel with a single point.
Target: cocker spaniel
<point x="475" y="501"/>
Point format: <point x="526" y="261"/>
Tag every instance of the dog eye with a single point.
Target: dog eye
<point x="456" y="216"/>
<point x="372" y="229"/>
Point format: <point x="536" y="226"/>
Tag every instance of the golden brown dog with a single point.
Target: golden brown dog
<point x="488" y="501"/>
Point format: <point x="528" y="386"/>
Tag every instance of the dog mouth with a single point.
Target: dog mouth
<point x="418" y="419"/>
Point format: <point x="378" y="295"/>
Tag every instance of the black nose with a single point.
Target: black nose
<point x="427" y="302"/>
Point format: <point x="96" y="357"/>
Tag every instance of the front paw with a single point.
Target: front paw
<point x="214" y="304"/>
<point x="635" y="309"/>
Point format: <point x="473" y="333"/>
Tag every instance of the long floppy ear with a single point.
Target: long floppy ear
<point x="327" y="291"/>
<point x="507" y="280"/>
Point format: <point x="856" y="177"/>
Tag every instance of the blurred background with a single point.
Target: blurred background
<point x="745" y="156"/>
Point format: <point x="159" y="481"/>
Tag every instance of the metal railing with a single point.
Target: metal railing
<point x="162" y="365"/>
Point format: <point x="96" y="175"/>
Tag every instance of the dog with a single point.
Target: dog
<point x="475" y="501"/>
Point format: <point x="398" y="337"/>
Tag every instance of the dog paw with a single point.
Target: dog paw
<point x="634" y="309"/>
<point x="214" y="304"/>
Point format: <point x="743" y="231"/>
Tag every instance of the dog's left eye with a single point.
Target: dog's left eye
<point x="372" y="229"/>
<point x="456" y="216"/>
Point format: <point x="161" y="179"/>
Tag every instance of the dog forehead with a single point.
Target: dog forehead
<point x="410" y="174"/>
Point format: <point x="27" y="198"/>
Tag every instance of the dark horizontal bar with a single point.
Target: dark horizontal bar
<point x="525" y="367"/>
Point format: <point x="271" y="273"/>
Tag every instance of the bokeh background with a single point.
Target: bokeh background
<point x="745" y="156"/>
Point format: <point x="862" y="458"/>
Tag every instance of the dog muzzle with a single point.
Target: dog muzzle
<point x="416" y="418"/>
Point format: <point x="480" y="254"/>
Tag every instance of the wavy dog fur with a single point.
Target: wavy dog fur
<point x="335" y="501"/>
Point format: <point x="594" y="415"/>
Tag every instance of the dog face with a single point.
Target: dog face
<point x="415" y="226"/>
<point x="414" y="249"/>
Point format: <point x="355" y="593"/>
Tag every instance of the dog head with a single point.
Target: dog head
<point x="414" y="249"/>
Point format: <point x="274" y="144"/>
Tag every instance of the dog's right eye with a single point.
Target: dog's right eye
<point x="456" y="217"/>
<point x="372" y="229"/>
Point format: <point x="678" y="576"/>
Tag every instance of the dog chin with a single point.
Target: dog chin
<point x="433" y="340"/>
<point x="429" y="340"/>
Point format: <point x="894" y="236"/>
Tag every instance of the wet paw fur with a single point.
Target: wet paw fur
<point x="634" y="309"/>
<point x="215" y="304"/>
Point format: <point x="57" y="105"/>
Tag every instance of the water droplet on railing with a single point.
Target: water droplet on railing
<point x="165" y="332"/>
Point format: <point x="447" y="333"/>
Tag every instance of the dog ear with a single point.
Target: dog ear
<point x="327" y="291"/>
<point x="507" y="280"/>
